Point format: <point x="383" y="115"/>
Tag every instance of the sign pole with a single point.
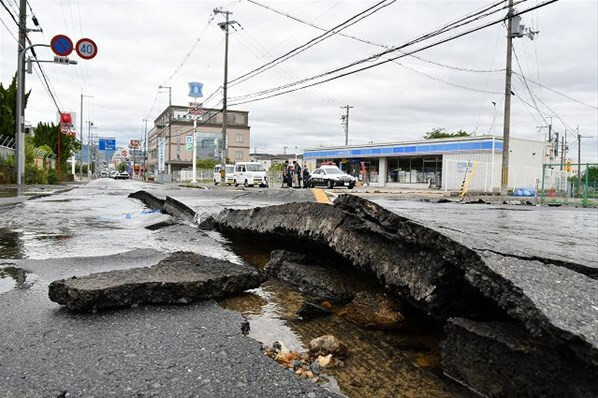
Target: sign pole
<point x="194" y="159"/>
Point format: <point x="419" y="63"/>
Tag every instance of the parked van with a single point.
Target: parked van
<point x="229" y="169"/>
<point x="250" y="173"/>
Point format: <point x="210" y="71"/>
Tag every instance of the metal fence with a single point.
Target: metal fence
<point x="565" y="185"/>
<point x="483" y="176"/>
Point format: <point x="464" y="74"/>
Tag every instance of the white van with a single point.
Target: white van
<point x="250" y="173"/>
<point x="229" y="174"/>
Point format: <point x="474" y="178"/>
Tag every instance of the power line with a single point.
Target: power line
<point x="299" y="49"/>
<point x="193" y="47"/>
<point x="559" y="93"/>
<point x="9" y="12"/>
<point x="373" y="43"/>
<point x="531" y="94"/>
<point x="445" y="28"/>
<point x="9" y="31"/>
<point x="438" y="79"/>
<point x="376" y="56"/>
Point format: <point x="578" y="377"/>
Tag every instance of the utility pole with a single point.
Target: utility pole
<point x="81" y="134"/>
<point x="578" y="161"/>
<point x="145" y="148"/>
<point x="224" y="26"/>
<point x="194" y="156"/>
<point x="19" y="117"/>
<point x="504" y="185"/>
<point x="345" y="119"/>
<point x="563" y="150"/>
<point x="169" y="126"/>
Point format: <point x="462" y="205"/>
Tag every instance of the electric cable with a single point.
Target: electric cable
<point x="371" y="42"/>
<point x="299" y="49"/>
<point x="445" y="28"/>
<point x="559" y="93"/>
<point x="9" y="13"/>
<point x="375" y="56"/>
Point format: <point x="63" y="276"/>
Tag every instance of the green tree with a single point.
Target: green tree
<point x="121" y="167"/>
<point x="206" y="163"/>
<point x="48" y="133"/>
<point x="592" y="173"/>
<point x="8" y="105"/>
<point x="436" y="133"/>
<point x="276" y="167"/>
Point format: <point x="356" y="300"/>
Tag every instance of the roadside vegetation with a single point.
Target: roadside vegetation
<point x="41" y="147"/>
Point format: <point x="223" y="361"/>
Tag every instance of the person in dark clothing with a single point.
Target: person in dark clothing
<point x="305" y="176"/>
<point x="285" y="171"/>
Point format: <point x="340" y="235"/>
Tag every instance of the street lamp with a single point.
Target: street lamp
<point x="89" y="124"/>
<point x="81" y="134"/>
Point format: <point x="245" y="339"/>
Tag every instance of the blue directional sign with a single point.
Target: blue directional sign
<point x="107" y="144"/>
<point x="61" y="45"/>
<point x="195" y="89"/>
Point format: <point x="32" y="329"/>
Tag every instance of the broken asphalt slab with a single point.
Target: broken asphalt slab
<point x="166" y="351"/>
<point x="181" y="278"/>
<point x="445" y="277"/>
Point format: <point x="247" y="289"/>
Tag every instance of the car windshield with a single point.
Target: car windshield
<point x="255" y="167"/>
<point x="333" y="170"/>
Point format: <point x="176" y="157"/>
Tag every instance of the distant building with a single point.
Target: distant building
<point x="440" y="163"/>
<point x="173" y="154"/>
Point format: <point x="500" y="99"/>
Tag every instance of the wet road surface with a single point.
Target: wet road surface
<point x="166" y="351"/>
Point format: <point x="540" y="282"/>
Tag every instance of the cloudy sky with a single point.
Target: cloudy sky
<point x="453" y="85"/>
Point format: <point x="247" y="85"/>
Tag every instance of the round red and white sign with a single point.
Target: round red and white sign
<point x="86" y="48"/>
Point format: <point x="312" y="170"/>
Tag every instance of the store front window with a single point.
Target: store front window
<point x="412" y="170"/>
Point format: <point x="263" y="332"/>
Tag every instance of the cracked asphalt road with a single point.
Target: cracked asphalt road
<point x="167" y="351"/>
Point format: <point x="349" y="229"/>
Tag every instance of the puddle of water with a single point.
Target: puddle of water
<point x="10" y="244"/>
<point x="380" y="363"/>
<point x="15" y="278"/>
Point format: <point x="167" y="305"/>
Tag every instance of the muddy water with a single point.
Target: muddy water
<point x="380" y="364"/>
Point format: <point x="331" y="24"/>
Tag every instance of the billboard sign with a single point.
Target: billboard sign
<point x="161" y="152"/>
<point x="67" y="122"/>
<point x="134" y="144"/>
<point x="107" y="144"/>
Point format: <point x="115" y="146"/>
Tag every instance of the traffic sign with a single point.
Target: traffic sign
<point x="61" y="45"/>
<point x="107" y="144"/>
<point x="86" y="48"/>
<point x="189" y="141"/>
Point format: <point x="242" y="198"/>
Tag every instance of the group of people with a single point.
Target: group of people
<point x="294" y="176"/>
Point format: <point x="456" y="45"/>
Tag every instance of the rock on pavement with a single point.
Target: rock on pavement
<point x="181" y="278"/>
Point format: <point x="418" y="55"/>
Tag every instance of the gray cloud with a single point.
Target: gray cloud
<point x="142" y="42"/>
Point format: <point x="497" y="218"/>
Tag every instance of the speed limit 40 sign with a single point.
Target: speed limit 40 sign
<point x="86" y="48"/>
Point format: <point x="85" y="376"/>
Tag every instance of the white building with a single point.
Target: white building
<point x="439" y="163"/>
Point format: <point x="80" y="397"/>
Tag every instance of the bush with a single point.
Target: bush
<point x="52" y="179"/>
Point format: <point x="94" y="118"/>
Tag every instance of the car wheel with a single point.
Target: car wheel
<point x="215" y="182"/>
<point x="330" y="184"/>
<point x="245" y="184"/>
<point x="236" y="183"/>
<point x="351" y="186"/>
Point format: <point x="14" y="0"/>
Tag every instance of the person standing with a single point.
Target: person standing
<point x="305" y="176"/>
<point x="285" y="169"/>
<point x="295" y="174"/>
